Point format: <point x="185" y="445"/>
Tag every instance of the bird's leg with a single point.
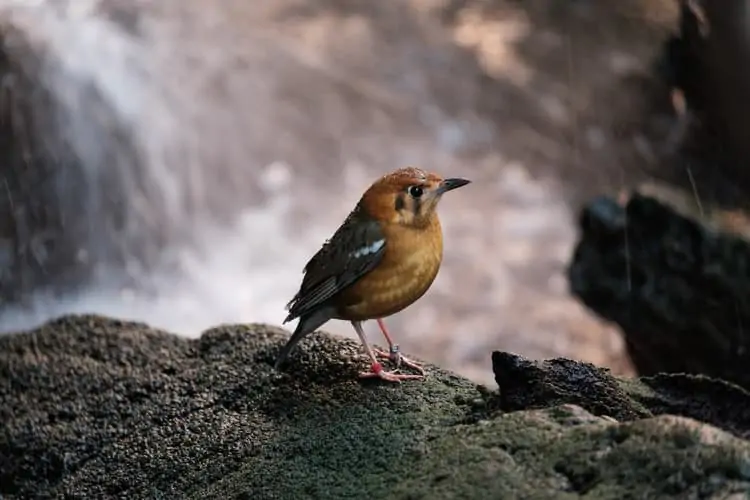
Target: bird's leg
<point x="376" y="369"/>
<point x="394" y="354"/>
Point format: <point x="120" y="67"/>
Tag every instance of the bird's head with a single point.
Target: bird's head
<point x="408" y="196"/>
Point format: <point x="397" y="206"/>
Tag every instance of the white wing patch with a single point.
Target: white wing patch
<point x="369" y="249"/>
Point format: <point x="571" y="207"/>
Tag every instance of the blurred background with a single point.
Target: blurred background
<point x="178" y="163"/>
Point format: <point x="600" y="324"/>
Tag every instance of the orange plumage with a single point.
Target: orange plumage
<point x="382" y="259"/>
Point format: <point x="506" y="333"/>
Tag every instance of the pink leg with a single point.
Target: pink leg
<point x="376" y="369"/>
<point x="394" y="354"/>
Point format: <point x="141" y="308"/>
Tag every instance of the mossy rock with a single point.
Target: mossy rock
<point x="94" y="407"/>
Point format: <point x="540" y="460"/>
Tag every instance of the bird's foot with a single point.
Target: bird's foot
<point x="398" y="359"/>
<point x="376" y="371"/>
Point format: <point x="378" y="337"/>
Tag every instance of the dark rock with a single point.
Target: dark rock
<point x="709" y="400"/>
<point x="526" y="384"/>
<point x="677" y="287"/>
<point x="94" y="407"/>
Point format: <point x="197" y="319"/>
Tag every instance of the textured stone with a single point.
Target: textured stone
<point x="94" y="407"/>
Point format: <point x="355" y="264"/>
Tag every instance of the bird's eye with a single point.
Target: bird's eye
<point x="415" y="191"/>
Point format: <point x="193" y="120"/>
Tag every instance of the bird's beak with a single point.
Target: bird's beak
<point x="451" y="184"/>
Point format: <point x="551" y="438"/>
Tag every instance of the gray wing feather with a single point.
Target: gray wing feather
<point x="354" y="250"/>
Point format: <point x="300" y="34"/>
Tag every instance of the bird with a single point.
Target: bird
<point x="384" y="257"/>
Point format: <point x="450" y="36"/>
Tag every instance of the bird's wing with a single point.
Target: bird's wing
<point x="354" y="250"/>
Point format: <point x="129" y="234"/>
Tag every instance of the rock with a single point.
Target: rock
<point x="95" y="407"/>
<point x="677" y="286"/>
<point x="528" y="384"/>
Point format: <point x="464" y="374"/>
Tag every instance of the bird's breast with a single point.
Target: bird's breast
<point x="408" y="268"/>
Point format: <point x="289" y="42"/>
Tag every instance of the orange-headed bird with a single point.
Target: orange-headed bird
<point x="384" y="257"/>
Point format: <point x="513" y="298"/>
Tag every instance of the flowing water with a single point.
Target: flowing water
<point x="204" y="153"/>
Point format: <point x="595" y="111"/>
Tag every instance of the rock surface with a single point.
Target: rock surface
<point x="676" y="284"/>
<point x="95" y="407"/>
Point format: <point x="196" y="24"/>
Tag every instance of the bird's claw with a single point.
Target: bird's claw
<point x="377" y="372"/>
<point x="394" y="355"/>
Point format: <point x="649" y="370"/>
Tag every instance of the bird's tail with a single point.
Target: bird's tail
<point x="307" y="324"/>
